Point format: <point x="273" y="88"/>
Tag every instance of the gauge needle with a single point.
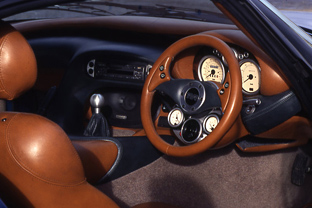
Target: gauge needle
<point x="212" y="73"/>
<point x="246" y="80"/>
<point x="250" y="77"/>
<point x="212" y="126"/>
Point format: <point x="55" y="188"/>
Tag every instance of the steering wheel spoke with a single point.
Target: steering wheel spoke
<point x="160" y="73"/>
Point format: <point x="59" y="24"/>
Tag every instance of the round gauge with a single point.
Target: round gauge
<point x="250" y="76"/>
<point x="211" y="69"/>
<point x="175" y="117"/>
<point x="210" y="123"/>
<point x="191" y="131"/>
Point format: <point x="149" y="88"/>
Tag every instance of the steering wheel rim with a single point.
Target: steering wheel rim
<point x="160" y="73"/>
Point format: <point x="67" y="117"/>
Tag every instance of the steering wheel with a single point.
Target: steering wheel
<point x="191" y="96"/>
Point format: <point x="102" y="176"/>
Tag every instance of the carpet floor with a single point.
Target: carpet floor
<point x="225" y="178"/>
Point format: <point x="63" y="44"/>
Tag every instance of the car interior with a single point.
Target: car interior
<point x="131" y="111"/>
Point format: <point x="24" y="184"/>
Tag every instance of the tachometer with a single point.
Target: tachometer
<point x="211" y="69"/>
<point x="250" y="76"/>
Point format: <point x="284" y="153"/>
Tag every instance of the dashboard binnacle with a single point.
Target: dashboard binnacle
<point x="210" y="65"/>
<point x="263" y="88"/>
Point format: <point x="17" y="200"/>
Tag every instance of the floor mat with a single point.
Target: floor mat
<point x="225" y="178"/>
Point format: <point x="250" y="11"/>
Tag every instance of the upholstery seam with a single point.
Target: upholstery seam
<point x="26" y="168"/>
<point x="69" y="142"/>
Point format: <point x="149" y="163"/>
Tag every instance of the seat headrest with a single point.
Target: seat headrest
<point x="18" y="67"/>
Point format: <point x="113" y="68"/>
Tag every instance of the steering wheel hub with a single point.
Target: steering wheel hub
<point x="192" y="97"/>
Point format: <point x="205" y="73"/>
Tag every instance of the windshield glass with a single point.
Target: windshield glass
<point x="299" y="11"/>
<point x="202" y="10"/>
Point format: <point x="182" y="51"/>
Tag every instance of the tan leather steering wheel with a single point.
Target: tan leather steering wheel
<point x="160" y="73"/>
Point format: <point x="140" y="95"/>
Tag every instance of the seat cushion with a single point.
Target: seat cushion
<point x="98" y="157"/>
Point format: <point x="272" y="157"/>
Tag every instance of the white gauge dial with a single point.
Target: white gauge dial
<point x="211" y="69"/>
<point x="175" y="117"/>
<point x="211" y="123"/>
<point x="250" y="77"/>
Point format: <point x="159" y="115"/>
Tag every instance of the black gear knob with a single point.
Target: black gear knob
<point x="97" y="102"/>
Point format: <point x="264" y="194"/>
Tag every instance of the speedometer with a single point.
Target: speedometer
<point x="211" y="69"/>
<point x="250" y="76"/>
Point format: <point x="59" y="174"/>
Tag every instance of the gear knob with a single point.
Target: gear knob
<point x="97" y="102"/>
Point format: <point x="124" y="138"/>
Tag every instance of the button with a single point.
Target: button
<point x="91" y="64"/>
<point x="91" y="71"/>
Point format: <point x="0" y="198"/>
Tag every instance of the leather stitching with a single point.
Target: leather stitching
<point x="26" y="168"/>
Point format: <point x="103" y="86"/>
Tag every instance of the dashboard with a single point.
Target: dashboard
<point x="88" y="66"/>
<point x="116" y="66"/>
<point x="210" y="67"/>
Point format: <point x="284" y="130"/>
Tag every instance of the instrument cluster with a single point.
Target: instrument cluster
<point x="211" y="65"/>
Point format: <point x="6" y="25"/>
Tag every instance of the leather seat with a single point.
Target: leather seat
<point x="40" y="166"/>
<point x="19" y="76"/>
<point x="99" y="157"/>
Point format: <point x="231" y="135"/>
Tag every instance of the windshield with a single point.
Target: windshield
<point x="299" y="11"/>
<point x="201" y="10"/>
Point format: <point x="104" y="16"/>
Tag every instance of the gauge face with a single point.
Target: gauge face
<point x="250" y="77"/>
<point x="211" y="123"/>
<point x="211" y="69"/>
<point x="175" y="117"/>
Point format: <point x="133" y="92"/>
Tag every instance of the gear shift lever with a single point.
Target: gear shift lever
<point x="97" y="102"/>
<point x="97" y="125"/>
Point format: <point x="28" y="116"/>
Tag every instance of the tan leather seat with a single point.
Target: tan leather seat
<point x="18" y="74"/>
<point x="98" y="158"/>
<point x="39" y="165"/>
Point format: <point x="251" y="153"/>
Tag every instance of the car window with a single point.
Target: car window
<point x="299" y="11"/>
<point x="202" y="10"/>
